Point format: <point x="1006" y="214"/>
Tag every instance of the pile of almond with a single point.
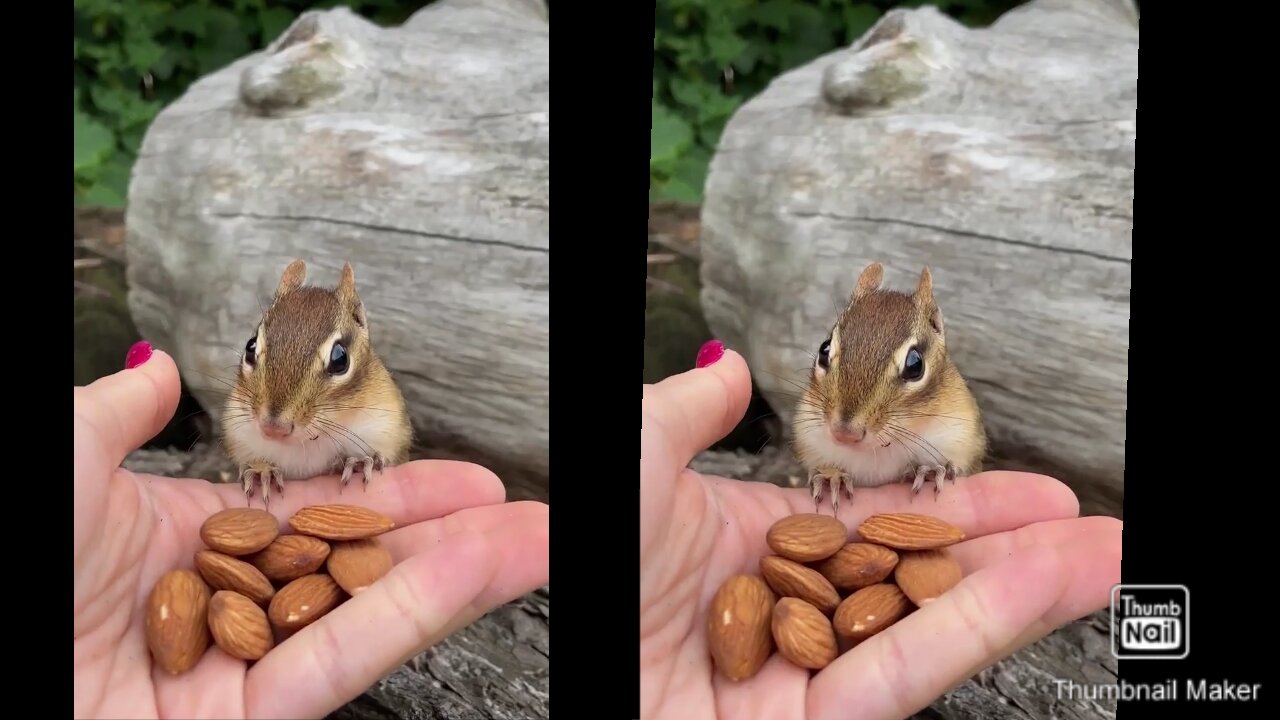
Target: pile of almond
<point x="252" y="586"/>
<point x="820" y="595"/>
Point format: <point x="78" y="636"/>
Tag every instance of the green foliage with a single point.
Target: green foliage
<point x="132" y="57"/>
<point x="700" y="44"/>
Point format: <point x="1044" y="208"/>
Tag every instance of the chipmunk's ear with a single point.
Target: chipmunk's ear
<point x="924" y="288"/>
<point x="924" y="297"/>
<point x="292" y="278"/>
<point x="347" y="294"/>
<point x="868" y="282"/>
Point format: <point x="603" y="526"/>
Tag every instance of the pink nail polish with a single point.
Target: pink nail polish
<point x="710" y="352"/>
<point x="138" y="354"/>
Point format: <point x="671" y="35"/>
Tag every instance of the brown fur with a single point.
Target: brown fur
<point x="289" y="377"/>
<point x="863" y="383"/>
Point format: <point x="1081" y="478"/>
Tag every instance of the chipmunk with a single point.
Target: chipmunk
<point x="884" y="403"/>
<point x="311" y="396"/>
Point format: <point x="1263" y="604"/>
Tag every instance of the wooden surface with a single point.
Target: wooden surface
<point x="1001" y="158"/>
<point x="496" y="668"/>
<point x="420" y="154"/>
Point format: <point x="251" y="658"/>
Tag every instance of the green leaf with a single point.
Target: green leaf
<point x="690" y="175"/>
<point x="726" y="48"/>
<point x="811" y="35"/>
<point x="103" y="195"/>
<point x="142" y="53"/>
<point x="192" y="19"/>
<point x="112" y="186"/>
<point x="669" y="137"/>
<point x="859" y="18"/>
<point x="274" y="21"/>
<point x="93" y="142"/>
<point x="689" y="93"/>
<point x="226" y="41"/>
<point x="773" y="14"/>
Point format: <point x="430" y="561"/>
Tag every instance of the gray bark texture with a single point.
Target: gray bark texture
<point x="1056" y="678"/>
<point x="1003" y="159"/>
<point x="418" y="153"/>
<point x="497" y="668"/>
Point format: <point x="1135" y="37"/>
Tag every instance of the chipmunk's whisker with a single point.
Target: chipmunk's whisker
<point x="900" y="433"/>
<point x="347" y="433"/>
<point x="906" y="414"/>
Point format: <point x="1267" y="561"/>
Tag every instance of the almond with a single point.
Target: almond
<point x="357" y="564"/>
<point x="304" y="601"/>
<point x="909" y="531"/>
<point x="239" y="531"/>
<point x="340" y="522"/>
<point x="289" y="557"/>
<point x="857" y="565"/>
<point x="739" y="633"/>
<point x="868" y="611"/>
<point x="807" y="537"/>
<point x="177" y="626"/>
<point x="239" y="627"/>
<point x="803" y="634"/>
<point x="224" y="572"/>
<point x="791" y="579"/>
<point x="924" y="575"/>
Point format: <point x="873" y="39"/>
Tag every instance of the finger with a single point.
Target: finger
<point x="121" y="412"/>
<point x="424" y="599"/>
<point x="403" y="543"/>
<point x="985" y="618"/>
<point x="776" y="691"/>
<point x="693" y="410"/>
<point x="973" y="555"/>
<point x="408" y="493"/>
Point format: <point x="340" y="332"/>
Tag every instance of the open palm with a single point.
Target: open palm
<point x="460" y="551"/>
<point x="1030" y="565"/>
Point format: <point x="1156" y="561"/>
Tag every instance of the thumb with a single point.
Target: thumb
<point x="696" y="408"/>
<point x="124" y="410"/>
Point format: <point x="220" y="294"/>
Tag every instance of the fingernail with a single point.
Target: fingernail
<point x="138" y="354"/>
<point x="710" y="352"/>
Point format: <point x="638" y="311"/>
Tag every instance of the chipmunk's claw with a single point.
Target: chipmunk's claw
<point x="945" y="474"/>
<point x="837" y="479"/>
<point x="366" y="466"/>
<point x="266" y="475"/>
<point x="938" y="473"/>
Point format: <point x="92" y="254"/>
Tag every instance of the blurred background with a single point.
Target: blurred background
<point x="131" y="58"/>
<point x="711" y="56"/>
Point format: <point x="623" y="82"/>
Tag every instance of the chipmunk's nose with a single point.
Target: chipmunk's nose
<point x="848" y="433"/>
<point x="276" y="427"/>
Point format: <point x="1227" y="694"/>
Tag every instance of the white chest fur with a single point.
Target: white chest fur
<point x="302" y="458"/>
<point x="890" y="455"/>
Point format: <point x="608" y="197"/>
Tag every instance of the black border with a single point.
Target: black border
<point x="1198" y="493"/>
<point x="603" y="73"/>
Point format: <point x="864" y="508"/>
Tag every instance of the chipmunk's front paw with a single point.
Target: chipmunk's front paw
<point x="264" y="474"/>
<point x="839" y="480"/>
<point x="940" y="474"/>
<point x="366" y="466"/>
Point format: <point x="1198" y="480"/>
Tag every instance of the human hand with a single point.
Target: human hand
<point x="460" y="551"/>
<point x="1030" y="566"/>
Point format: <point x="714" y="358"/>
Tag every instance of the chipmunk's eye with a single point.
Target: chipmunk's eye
<point x="824" y="354"/>
<point x="251" y="351"/>
<point x="913" y="368"/>
<point x="338" y="360"/>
